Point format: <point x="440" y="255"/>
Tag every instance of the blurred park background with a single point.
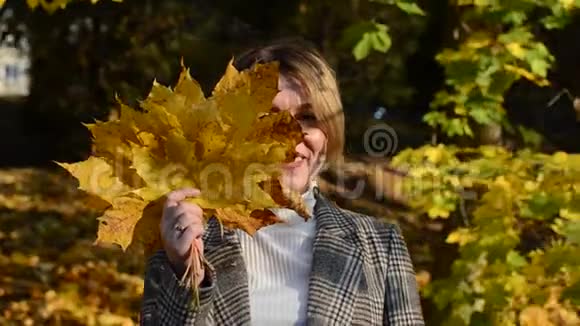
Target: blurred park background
<point x="476" y="102"/>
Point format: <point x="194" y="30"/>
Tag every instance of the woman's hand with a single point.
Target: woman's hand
<point x="181" y="228"/>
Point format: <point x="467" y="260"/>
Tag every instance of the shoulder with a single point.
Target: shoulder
<point x="382" y="241"/>
<point x="379" y="240"/>
<point x="377" y="229"/>
<point x="380" y="229"/>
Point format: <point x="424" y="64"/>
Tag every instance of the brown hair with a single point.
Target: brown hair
<point x="301" y="61"/>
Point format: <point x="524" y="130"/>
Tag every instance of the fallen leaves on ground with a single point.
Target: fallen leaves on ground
<point x="52" y="274"/>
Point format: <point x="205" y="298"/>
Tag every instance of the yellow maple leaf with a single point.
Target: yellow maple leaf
<point x="534" y="315"/>
<point x="118" y="223"/>
<point x="461" y="236"/>
<point x="434" y="154"/>
<point x="96" y="177"/>
<point x="538" y="80"/>
<point x="230" y="146"/>
<point x="567" y="4"/>
<point x="516" y="50"/>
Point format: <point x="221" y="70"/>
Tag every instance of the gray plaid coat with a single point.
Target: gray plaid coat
<point x="361" y="275"/>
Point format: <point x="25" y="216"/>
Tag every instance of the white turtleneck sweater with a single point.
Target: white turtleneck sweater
<point x="278" y="260"/>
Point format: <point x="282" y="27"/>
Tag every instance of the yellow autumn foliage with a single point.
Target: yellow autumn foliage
<point x="51" y="6"/>
<point x="229" y="145"/>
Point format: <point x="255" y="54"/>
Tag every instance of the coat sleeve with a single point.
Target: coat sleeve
<point x="166" y="301"/>
<point x="402" y="301"/>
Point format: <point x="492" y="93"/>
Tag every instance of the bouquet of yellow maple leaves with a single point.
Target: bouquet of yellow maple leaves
<point x="230" y="146"/>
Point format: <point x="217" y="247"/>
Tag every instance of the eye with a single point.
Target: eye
<point x="306" y="116"/>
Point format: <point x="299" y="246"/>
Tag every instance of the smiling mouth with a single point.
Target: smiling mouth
<point x="297" y="162"/>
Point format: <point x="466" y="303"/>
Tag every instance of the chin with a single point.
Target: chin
<point x="295" y="180"/>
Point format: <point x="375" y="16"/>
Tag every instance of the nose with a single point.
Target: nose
<point x="302" y="147"/>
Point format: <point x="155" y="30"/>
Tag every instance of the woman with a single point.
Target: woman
<point x="337" y="268"/>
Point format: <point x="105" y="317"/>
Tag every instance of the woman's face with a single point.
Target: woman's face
<point x="298" y="174"/>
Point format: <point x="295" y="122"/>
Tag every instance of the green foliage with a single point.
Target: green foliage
<point x="514" y="217"/>
<point x="530" y="137"/>
<point x="495" y="48"/>
<point x="368" y="43"/>
<point x="114" y="48"/>
<point x="501" y="200"/>
<point x="408" y="6"/>
<point x="370" y="35"/>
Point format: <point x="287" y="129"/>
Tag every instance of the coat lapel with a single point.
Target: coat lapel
<point x="336" y="266"/>
<point x="334" y="278"/>
<point x="231" y="296"/>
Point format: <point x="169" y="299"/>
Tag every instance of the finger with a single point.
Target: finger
<point x="197" y="228"/>
<point x="194" y="208"/>
<point x="183" y="242"/>
<point x="197" y="231"/>
<point x="190" y="209"/>
<point x="187" y="220"/>
<point x="171" y="213"/>
<point x="179" y="225"/>
<point x="174" y="197"/>
<point x="167" y="228"/>
<point x="184" y="236"/>
<point x="168" y="219"/>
